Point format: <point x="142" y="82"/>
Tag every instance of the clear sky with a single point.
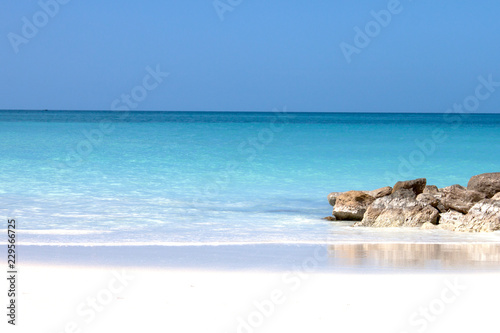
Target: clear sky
<point x="249" y="55"/>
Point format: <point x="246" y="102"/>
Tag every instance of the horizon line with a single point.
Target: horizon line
<point x="240" y="111"/>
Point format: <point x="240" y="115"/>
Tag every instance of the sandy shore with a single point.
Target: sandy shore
<point x="113" y="299"/>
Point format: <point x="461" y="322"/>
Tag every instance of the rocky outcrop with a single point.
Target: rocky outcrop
<point x="487" y="183"/>
<point x="416" y="185"/>
<point x="352" y="205"/>
<point x="483" y="216"/>
<point x="400" y="209"/>
<point x="412" y="203"/>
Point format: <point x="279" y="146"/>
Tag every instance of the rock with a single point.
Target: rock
<point x="351" y="205"/>
<point x="487" y="183"/>
<point x="450" y="220"/>
<point x="332" y="197"/>
<point x="483" y="216"/>
<point x="428" y="226"/>
<point x="380" y="192"/>
<point x="496" y="196"/>
<point x="330" y="218"/>
<point x="416" y="185"/>
<point x="432" y="200"/>
<point x="428" y="199"/>
<point x="431" y="189"/>
<point x="400" y="209"/>
<point x="459" y="198"/>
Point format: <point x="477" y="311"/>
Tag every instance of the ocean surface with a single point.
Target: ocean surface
<point x="206" y="178"/>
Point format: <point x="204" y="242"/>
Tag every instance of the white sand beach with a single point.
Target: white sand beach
<point x="112" y="299"/>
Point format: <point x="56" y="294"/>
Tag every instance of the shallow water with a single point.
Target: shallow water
<point x="171" y="178"/>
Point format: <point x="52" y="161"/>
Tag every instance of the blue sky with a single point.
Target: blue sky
<point x="249" y="55"/>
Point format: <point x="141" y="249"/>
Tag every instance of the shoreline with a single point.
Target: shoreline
<point x="408" y="258"/>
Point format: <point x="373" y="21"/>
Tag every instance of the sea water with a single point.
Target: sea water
<point x="208" y="178"/>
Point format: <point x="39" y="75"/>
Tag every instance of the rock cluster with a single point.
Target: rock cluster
<point x="413" y="203"/>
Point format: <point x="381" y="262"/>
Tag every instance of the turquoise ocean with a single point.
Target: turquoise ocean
<point x="209" y="178"/>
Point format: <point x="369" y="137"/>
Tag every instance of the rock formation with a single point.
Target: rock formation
<point x="412" y="203"/>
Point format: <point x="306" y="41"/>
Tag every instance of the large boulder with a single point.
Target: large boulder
<point x="380" y="192"/>
<point x="496" y="196"/>
<point x="459" y="198"/>
<point x="351" y="205"/>
<point x="400" y="209"/>
<point x="483" y="216"/>
<point x="416" y="185"/>
<point x="332" y="197"/>
<point x="487" y="183"/>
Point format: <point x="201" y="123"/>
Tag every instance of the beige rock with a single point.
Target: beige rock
<point x="416" y="185"/>
<point x="431" y="189"/>
<point x="450" y="220"/>
<point x="400" y="209"/>
<point x="428" y="226"/>
<point x="428" y="199"/>
<point x="380" y="192"/>
<point x="487" y="183"/>
<point x="352" y="205"/>
<point x="483" y="216"/>
<point x="459" y="198"/>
